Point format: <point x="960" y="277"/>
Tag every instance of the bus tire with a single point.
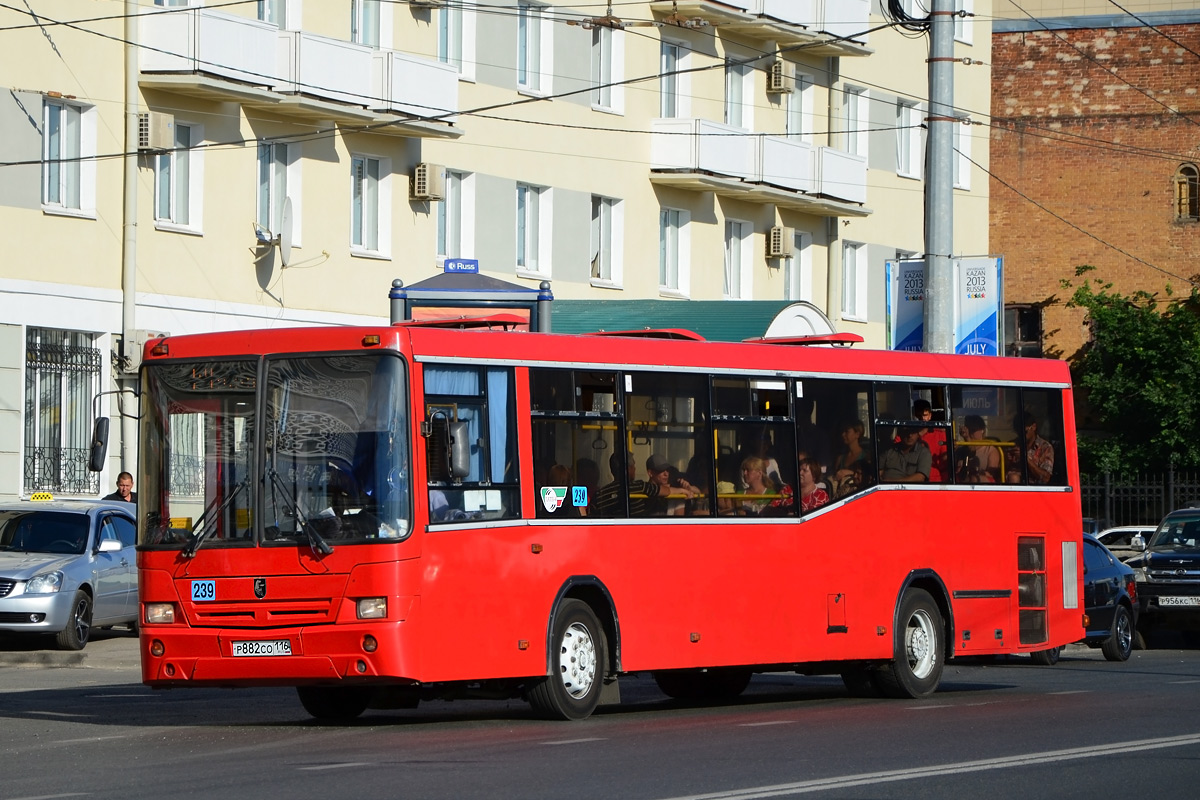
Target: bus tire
<point x="334" y="703"/>
<point x="572" y="689"/>
<point x="919" y="649"/>
<point x="1046" y="658"/>
<point x="718" y="683"/>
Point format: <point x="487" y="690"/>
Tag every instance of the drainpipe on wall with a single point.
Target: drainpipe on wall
<point x="126" y="380"/>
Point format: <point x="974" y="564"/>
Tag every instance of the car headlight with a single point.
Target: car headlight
<point x="1141" y="575"/>
<point x="46" y="583"/>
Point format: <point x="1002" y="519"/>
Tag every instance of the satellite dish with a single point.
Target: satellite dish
<point x="285" y="233"/>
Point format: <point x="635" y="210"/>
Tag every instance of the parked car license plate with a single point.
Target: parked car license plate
<point x="1179" y="601"/>
<point x="276" y="647"/>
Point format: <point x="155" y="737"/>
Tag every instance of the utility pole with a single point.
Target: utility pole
<point x="939" y="183"/>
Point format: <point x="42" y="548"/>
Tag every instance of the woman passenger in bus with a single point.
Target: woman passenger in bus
<point x="812" y="494"/>
<point x="763" y="496"/>
<point x="854" y="452"/>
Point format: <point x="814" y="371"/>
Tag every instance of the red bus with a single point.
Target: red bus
<point x="388" y="514"/>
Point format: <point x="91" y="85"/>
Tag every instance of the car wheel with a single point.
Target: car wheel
<point x="1047" y="658"/>
<point x="919" y="649"/>
<point x="1119" y="645"/>
<point x="335" y="703"/>
<point x="572" y="689"/>
<point x="79" y="624"/>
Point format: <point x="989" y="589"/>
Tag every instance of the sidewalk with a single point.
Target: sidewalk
<point x="111" y="649"/>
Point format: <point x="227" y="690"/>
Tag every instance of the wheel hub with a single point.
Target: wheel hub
<point x="577" y="661"/>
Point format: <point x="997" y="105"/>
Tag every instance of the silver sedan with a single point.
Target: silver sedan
<point x="66" y="566"/>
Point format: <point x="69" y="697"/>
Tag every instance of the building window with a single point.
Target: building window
<point x="1023" y="331"/>
<point x="456" y="38"/>
<point x="530" y="27"/>
<point x="800" y="123"/>
<point x="62" y="375"/>
<point x="533" y="229"/>
<point x="962" y="157"/>
<point x="370" y="210"/>
<point x="273" y="11"/>
<point x="1187" y="193"/>
<point x="908" y="139"/>
<point x="673" y="252"/>
<point x="602" y="66"/>
<point x="854" y="120"/>
<point x="668" y="79"/>
<point x="450" y="217"/>
<point x="178" y="178"/>
<point x="61" y="150"/>
<point x="964" y="22"/>
<point x="606" y="232"/>
<point x="737" y="260"/>
<point x="273" y="168"/>
<point x="854" y="281"/>
<point x="797" y="269"/>
<point x="738" y="88"/>
<point x="364" y="22"/>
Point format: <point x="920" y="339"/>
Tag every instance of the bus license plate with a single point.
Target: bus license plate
<point x="1179" y="601"/>
<point x="277" y="647"/>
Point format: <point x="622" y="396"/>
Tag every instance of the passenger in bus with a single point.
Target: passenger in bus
<point x="810" y="437"/>
<point x="611" y="499"/>
<point x="812" y="494"/>
<point x="854" y="450"/>
<point x="673" y="490"/>
<point x="935" y="440"/>
<point x="763" y="496"/>
<point x="726" y="502"/>
<point x="1039" y="453"/>
<point x="907" y="460"/>
<point x="979" y="463"/>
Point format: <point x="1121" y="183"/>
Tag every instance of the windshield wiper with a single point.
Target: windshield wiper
<point x="315" y="541"/>
<point x="199" y="530"/>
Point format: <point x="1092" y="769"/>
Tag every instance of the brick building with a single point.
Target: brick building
<point x="1095" y="147"/>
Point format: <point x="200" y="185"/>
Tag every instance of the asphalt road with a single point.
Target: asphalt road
<point x="1084" y="728"/>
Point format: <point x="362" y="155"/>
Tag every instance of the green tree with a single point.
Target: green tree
<point x="1140" y="376"/>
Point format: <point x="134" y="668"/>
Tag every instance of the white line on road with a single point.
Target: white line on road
<point x="869" y="778"/>
<point x="1073" y="691"/>
<point x="59" y="714"/>
<point x="1179" y="683"/>
<point x="336" y="766"/>
<point x="50" y="796"/>
<point x="576" y="741"/>
<point x="763" y="724"/>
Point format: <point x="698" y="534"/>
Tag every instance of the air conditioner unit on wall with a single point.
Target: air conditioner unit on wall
<point x="780" y="241"/>
<point x="156" y="130"/>
<point x="429" y="181"/>
<point x="777" y="82"/>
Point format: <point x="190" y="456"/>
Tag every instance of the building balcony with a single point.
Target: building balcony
<point x="219" y="56"/>
<point x="705" y="156"/>
<point x="823" y="27"/>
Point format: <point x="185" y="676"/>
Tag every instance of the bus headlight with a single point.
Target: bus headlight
<point x="160" y="613"/>
<point x="46" y="583"/>
<point x="372" y="608"/>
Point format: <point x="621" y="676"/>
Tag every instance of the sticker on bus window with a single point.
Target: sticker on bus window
<point x="553" y="497"/>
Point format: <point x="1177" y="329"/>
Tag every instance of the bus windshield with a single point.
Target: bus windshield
<point x="308" y="451"/>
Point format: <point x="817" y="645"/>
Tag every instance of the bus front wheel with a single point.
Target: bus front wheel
<point x="919" y="649"/>
<point x="334" y="703"/>
<point x="577" y="658"/>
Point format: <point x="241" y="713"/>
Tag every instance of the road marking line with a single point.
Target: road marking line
<point x="576" y="741"/>
<point x="869" y="778"/>
<point x="1073" y="691"/>
<point x="60" y="714"/>
<point x="51" y="796"/>
<point x="335" y="766"/>
<point x="763" y="724"/>
<point x="1180" y="683"/>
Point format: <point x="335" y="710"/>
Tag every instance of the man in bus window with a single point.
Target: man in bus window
<point x="935" y="440"/>
<point x="908" y="460"/>
<point x="610" y="500"/>
<point x="1039" y="454"/>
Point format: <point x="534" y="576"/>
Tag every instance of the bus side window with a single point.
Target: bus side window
<point x="666" y="425"/>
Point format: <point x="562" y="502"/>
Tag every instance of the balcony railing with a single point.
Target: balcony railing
<point x="733" y="155"/>
<point x="209" y="42"/>
<point x="406" y="84"/>
<point x="323" y="67"/>
<point x="818" y="23"/>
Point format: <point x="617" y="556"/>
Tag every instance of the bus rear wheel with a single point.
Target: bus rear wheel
<point x="919" y="649"/>
<point x="718" y="683"/>
<point x="572" y="689"/>
<point x="334" y="703"/>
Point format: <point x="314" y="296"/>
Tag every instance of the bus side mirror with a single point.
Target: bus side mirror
<point x="460" y="451"/>
<point x="448" y="449"/>
<point x="99" y="445"/>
